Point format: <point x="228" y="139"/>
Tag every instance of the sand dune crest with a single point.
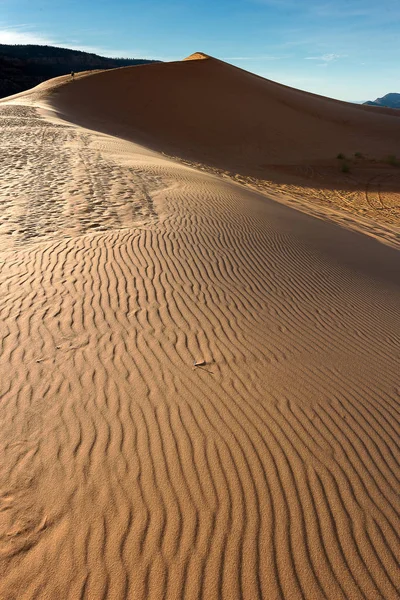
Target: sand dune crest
<point x="197" y="56"/>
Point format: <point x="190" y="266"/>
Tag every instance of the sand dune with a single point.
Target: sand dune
<point x="215" y="115"/>
<point x="271" y="469"/>
<point x="210" y="111"/>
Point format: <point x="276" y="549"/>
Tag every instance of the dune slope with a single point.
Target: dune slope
<point x="199" y="386"/>
<point x="209" y="111"/>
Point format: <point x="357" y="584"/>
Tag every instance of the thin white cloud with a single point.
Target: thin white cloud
<point x="82" y="48"/>
<point x="17" y="36"/>
<point x="326" y="58"/>
<point x="22" y="34"/>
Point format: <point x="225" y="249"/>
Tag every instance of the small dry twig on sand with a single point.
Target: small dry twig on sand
<point x="199" y="363"/>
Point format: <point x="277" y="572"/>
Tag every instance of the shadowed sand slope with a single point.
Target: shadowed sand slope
<point x="199" y="387"/>
<point x="210" y="111"/>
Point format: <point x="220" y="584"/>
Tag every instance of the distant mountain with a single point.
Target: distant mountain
<point x="390" y="100"/>
<point x="24" y="66"/>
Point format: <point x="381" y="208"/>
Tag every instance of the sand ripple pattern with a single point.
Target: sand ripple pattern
<point x="270" y="471"/>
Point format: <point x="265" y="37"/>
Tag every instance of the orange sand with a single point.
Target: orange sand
<point x="271" y="469"/>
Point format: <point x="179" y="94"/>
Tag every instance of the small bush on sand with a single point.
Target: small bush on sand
<point x="345" y="168"/>
<point x="341" y="156"/>
<point x="358" y="155"/>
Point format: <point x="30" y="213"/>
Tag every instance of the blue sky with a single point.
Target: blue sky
<point x="347" y="49"/>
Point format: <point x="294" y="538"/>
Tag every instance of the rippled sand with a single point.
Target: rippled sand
<point x="199" y="386"/>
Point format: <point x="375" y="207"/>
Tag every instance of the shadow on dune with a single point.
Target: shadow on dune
<point x="210" y="112"/>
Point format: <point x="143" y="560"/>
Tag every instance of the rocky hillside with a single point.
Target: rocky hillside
<point x="390" y="100"/>
<point x="24" y="66"/>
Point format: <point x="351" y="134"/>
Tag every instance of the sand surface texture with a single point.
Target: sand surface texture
<point x="199" y="386"/>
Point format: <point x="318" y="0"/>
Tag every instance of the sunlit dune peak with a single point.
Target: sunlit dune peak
<point x="197" y="56"/>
